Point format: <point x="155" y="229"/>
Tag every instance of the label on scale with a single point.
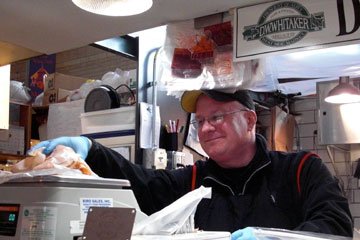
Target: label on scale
<point x="86" y="203"/>
<point x="38" y="223"/>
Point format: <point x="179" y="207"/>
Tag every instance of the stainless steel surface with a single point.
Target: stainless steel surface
<point x="337" y="123"/>
<point x="70" y="181"/>
<point x="55" y="207"/>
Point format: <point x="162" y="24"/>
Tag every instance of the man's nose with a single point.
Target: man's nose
<point x="206" y="126"/>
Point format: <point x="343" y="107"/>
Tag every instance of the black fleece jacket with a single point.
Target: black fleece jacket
<point x="262" y="194"/>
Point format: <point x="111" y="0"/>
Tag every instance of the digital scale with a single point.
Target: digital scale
<point x="55" y="207"/>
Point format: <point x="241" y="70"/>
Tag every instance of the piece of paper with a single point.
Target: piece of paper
<point x="146" y="127"/>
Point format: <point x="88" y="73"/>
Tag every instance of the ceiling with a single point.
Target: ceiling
<point x="34" y="27"/>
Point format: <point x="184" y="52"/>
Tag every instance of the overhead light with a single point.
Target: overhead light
<point x="114" y="7"/>
<point x="344" y="92"/>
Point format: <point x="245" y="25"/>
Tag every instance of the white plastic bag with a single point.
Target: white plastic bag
<point x="19" y="92"/>
<point x="38" y="100"/>
<point x="115" y="79"/>
<point x="87" y="87"/>
<point x="175" y="218"/>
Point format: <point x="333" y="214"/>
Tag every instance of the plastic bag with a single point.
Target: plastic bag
<point x="178" y="217"/>
<point x="19" y="92"/>
<point x="39" y="100"/>
<point x="62" y="157"/>
<point x="87" y="87"/>
<point x="115" y="79"/>
<point x="202" y="59"/>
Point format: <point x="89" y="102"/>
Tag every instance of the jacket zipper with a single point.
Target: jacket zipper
<point x="222" y="184"/>
<point x="240" y="194"/>
<point x="227" y="186"/>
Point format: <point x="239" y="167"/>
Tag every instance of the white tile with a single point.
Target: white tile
<point x="356" y="198"/>
<point x="341" y="168"/>
<point x="356" y="223"/>
<point x="323" y="155"/>
<point x="307" y="130"/>
<point x="355" y="209"/>
<point x="331" y="168"/>
<point x="340" y="156"/>
<point x="306" y="117"/>
<point x="354" y="182"/>
<point x="305" y="104"/>
<point x="307" y="143"/>
<point x="316" y="115"/>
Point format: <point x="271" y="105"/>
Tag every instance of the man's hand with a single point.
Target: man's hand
<point x="243" y="234"/>
<point x="81" y="145"/>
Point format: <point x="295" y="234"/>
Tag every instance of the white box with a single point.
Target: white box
<point x="64" y="119"/>
<point x="122" y="118"/>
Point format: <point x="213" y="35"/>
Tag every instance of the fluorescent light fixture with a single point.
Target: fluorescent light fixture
<point x="344" y="92"/>
<point x="114" y="7"/>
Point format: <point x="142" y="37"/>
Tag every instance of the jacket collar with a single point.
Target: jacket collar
<point x="241" y="176"/>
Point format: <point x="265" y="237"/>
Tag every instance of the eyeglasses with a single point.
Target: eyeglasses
<point x="215" y="119"/>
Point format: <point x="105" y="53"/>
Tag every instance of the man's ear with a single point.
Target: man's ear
<point x="251" y="119"/>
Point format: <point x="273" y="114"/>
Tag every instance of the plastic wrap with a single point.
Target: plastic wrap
<point x="61" y="158"/>
<point x="202" y="59"/>
<point x="7" y="176"/>
<point x="176" y="218"/>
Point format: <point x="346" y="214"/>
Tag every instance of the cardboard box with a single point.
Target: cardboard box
<point x="55" y="96"/>
<point x="57" y="87"/>
<point x="59" y="80"/>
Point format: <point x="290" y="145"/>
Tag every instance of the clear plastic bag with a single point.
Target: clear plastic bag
<point x="62" y="157"/>
<point x="8" y="176"/>
<point x="176" y="218"/>
<point x="202" y="59"/>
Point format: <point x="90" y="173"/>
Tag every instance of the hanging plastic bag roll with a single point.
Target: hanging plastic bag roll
<point x="176" y="218"/>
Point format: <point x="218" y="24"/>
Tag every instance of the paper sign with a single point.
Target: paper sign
<point x="146" y="126"/>
<point x="86" y="203"/>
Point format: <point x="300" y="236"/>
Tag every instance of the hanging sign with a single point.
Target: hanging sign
<point x="290" y="26"/>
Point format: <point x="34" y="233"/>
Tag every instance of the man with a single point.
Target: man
<point x="251" y="186"/>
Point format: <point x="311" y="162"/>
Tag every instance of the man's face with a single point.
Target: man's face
<point x="228" y="139"/>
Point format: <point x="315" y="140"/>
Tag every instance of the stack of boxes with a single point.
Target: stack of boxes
<point x="58" y="86"/>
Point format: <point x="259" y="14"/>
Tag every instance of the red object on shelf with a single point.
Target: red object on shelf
<point x="183" y="65"/>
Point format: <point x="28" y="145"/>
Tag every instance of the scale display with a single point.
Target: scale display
<point x="9" y="214"/>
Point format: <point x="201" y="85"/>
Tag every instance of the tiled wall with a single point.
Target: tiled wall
<point x="305" y="138"/>
<point x="91" y="62"/>
<point x="87" y="62"/>
<point x="18" y="71"/>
